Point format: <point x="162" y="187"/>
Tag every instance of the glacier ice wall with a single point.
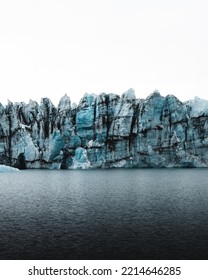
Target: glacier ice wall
<point x="105" y="131"/>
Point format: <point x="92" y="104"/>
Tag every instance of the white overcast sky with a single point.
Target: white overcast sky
<point x="52" y="47"/>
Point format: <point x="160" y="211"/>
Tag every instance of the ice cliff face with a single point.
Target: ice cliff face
<point x="105" y="131"/>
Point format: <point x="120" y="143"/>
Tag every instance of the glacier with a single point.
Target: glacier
<point x="105" y="131"/>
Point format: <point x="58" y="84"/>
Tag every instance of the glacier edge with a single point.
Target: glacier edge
<point x="105" y="131"/>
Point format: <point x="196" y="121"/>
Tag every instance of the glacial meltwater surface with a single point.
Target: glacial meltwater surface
<point x="104" y="214"/>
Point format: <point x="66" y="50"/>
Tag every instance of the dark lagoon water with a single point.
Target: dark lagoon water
<point x="104" y="214"/>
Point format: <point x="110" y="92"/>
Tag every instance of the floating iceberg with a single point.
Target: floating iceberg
<point x="5" y="169"/>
